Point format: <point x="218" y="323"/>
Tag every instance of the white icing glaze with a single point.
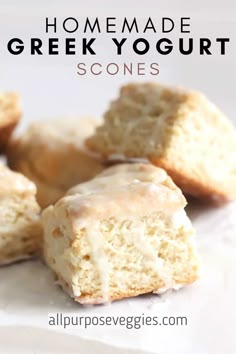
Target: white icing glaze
<point x="141" y="243"/>
<point x="126" y="191"/>
<point x="129" y="176"/>
<point x="100" y="260"/>
<point x="150" y="256"/>
<point x="180" y="219"/>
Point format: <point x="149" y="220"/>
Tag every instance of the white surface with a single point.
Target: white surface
<point x="28" y="294"/>
<point x="50" y="87"/>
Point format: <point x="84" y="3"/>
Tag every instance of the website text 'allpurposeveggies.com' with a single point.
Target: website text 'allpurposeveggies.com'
<point x="128" y="321"/>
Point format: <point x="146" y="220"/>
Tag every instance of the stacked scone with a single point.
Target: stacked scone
<point x="122" y="234"/>
<point x="52" y="154"/>
<point x="10" y="114"/>
<point x="20" y="227"/>
<point x="120" y="231"/>
<point x="49" y="158"/>
<point x="20" y="224"/>
<point x="178" y="130"/>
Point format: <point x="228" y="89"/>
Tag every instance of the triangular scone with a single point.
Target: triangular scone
<point x="122" y="234"/>
<point x="20" y="226"/>
<point x="180" y="131"/>
<point x="10" y="114"/>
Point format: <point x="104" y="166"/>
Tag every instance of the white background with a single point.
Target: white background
<point x="50" y="86"/>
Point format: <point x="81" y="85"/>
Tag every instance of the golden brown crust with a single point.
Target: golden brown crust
<point x="46" y="193"/>
<point x="10" y="114"/>
<point x="119" y="295"/>
<point x="5" y="133"/>
<point x="180" y="131"/>
<point x="89" y="299"/>
<point x="192" y="184"/>
<point x="52" y="155"/>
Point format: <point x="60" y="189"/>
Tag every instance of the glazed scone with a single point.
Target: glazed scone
<point x="122" y="234"/>
<point x="52" y="155"/>
<point x="180" y="131"/>
<point x="10" y="114"/>
<point x="20" y="226"/>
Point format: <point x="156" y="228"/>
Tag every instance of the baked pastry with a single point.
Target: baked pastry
<point x="180" y="131"/>
<point x="52" y="155"/>
<point x="10" y="114"/>
<point x="20" y="227"/>
<point x="122" y="234"/>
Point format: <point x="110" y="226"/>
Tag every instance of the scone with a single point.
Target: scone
<point x="52" y="155"/>
<point x="10" y="114"/>
<point x="20" y="226"/>
<point x="122" y="234"/>
<point x="180" y="131"/>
